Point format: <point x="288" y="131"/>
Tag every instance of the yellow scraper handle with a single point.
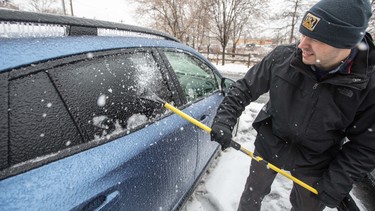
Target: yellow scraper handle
<point x="242" y="149"/>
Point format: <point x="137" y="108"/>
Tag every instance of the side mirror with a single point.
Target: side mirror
<point x="226" y="85"/>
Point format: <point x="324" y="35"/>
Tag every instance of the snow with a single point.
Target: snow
<point x="221" y="187"/>
<point x="135" y="120"/>
<point x="232" y="69"/>
<point x="101" y="100"/>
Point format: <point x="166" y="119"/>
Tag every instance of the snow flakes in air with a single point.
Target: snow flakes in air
<point x="101" y="100"/>
<point x="221" y="132"/>
<point x="362" y="46"/>
<point x="90" y="55"/>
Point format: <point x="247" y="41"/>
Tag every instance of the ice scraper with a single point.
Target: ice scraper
<point x="347" y="204"/>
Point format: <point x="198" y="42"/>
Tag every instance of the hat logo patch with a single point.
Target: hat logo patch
<point x="310" y="21"/>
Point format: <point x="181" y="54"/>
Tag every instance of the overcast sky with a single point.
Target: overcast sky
<point x="110" y="10"/>
<point x="124" y="11"/>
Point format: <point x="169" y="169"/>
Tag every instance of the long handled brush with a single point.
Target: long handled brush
<point x="348" y="204"/>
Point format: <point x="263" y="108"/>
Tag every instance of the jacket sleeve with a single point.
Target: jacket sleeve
<point x="357" y="156"/>
<point x="255" y="83"/>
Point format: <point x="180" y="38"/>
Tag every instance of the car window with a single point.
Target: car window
<point x="39" y="123"/>
<point x="196" y="78"/>
<point x="104" y="94"/>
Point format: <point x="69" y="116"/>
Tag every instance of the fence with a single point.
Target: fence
<point x="248" y="59"/>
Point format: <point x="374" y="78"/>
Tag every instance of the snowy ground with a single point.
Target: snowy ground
<point x="221" y="187"/>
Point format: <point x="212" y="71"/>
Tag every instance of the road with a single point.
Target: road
<point x="363" y="190"/>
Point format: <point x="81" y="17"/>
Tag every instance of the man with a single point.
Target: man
<point x="319" y="123"/>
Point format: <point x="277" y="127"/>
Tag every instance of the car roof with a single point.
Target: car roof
<point x="79" y="35"/>
<point x="16" y="52"/>
<point x="86" y="26"/>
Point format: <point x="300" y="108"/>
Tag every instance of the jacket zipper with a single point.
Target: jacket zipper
<point x="306" y="123"/>
<point x="314" y="89"/>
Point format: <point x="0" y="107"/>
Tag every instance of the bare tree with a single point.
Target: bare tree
<point x="289" y="16"/>
<point x="8" y="4"/>
<point x="45" y="6"/>
<point x="167" y="15"/>
<point x="245" y="19"/>
<point x="199" y="21"/>
<point x="299" y="9"/>
<point x="240" y="20"/>
<point x="371" y="27"/>
<point x="4" y="2"/>
<point x="187" y="20"/>
<point x="301" y="6"/>
<point x="294" y="15"/>
<point x="226" y="17"/>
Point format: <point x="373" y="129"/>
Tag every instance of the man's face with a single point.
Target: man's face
<point x="320" y="54"/>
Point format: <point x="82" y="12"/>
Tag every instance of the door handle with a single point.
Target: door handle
<point x="102" y="201"/>
<point x="203" y="118"/>
<point x="110" y="199"/>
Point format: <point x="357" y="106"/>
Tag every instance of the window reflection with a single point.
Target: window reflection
<point x="197" y="80"/>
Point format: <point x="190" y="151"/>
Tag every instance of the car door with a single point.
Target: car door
<point x="92" y="141"/>
<point x="200" y="87"/>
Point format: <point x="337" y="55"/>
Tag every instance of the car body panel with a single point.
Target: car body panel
<point x="113" y="167"/>
<point x="105" y="176"/>
<point x="15" y="52"/>
<point x="205" y="146"/>
<point x="151" y="167"/>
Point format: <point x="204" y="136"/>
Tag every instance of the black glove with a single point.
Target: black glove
<point x="221" y="134"/>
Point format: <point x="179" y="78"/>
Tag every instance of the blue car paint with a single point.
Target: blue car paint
<point x="115" y="169"/>
<point x="112" y="175"/>
<point x="205" y="146"/>
<point x="15" y="52"/>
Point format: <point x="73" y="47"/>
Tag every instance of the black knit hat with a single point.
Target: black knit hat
<point x="339" y="23"/>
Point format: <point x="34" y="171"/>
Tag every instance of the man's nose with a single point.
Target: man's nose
<point x="304" y="42"/>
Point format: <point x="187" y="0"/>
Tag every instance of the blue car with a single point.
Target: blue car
<point x="77" y="132"/>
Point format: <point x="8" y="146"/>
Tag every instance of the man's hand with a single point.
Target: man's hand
<point x="221" y="134"/>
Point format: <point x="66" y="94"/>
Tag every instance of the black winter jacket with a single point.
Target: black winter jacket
<point x="324" y="129"/>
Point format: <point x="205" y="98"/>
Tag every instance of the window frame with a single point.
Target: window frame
<point x="81" y="124"/>
<point x="45" y="66"/>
